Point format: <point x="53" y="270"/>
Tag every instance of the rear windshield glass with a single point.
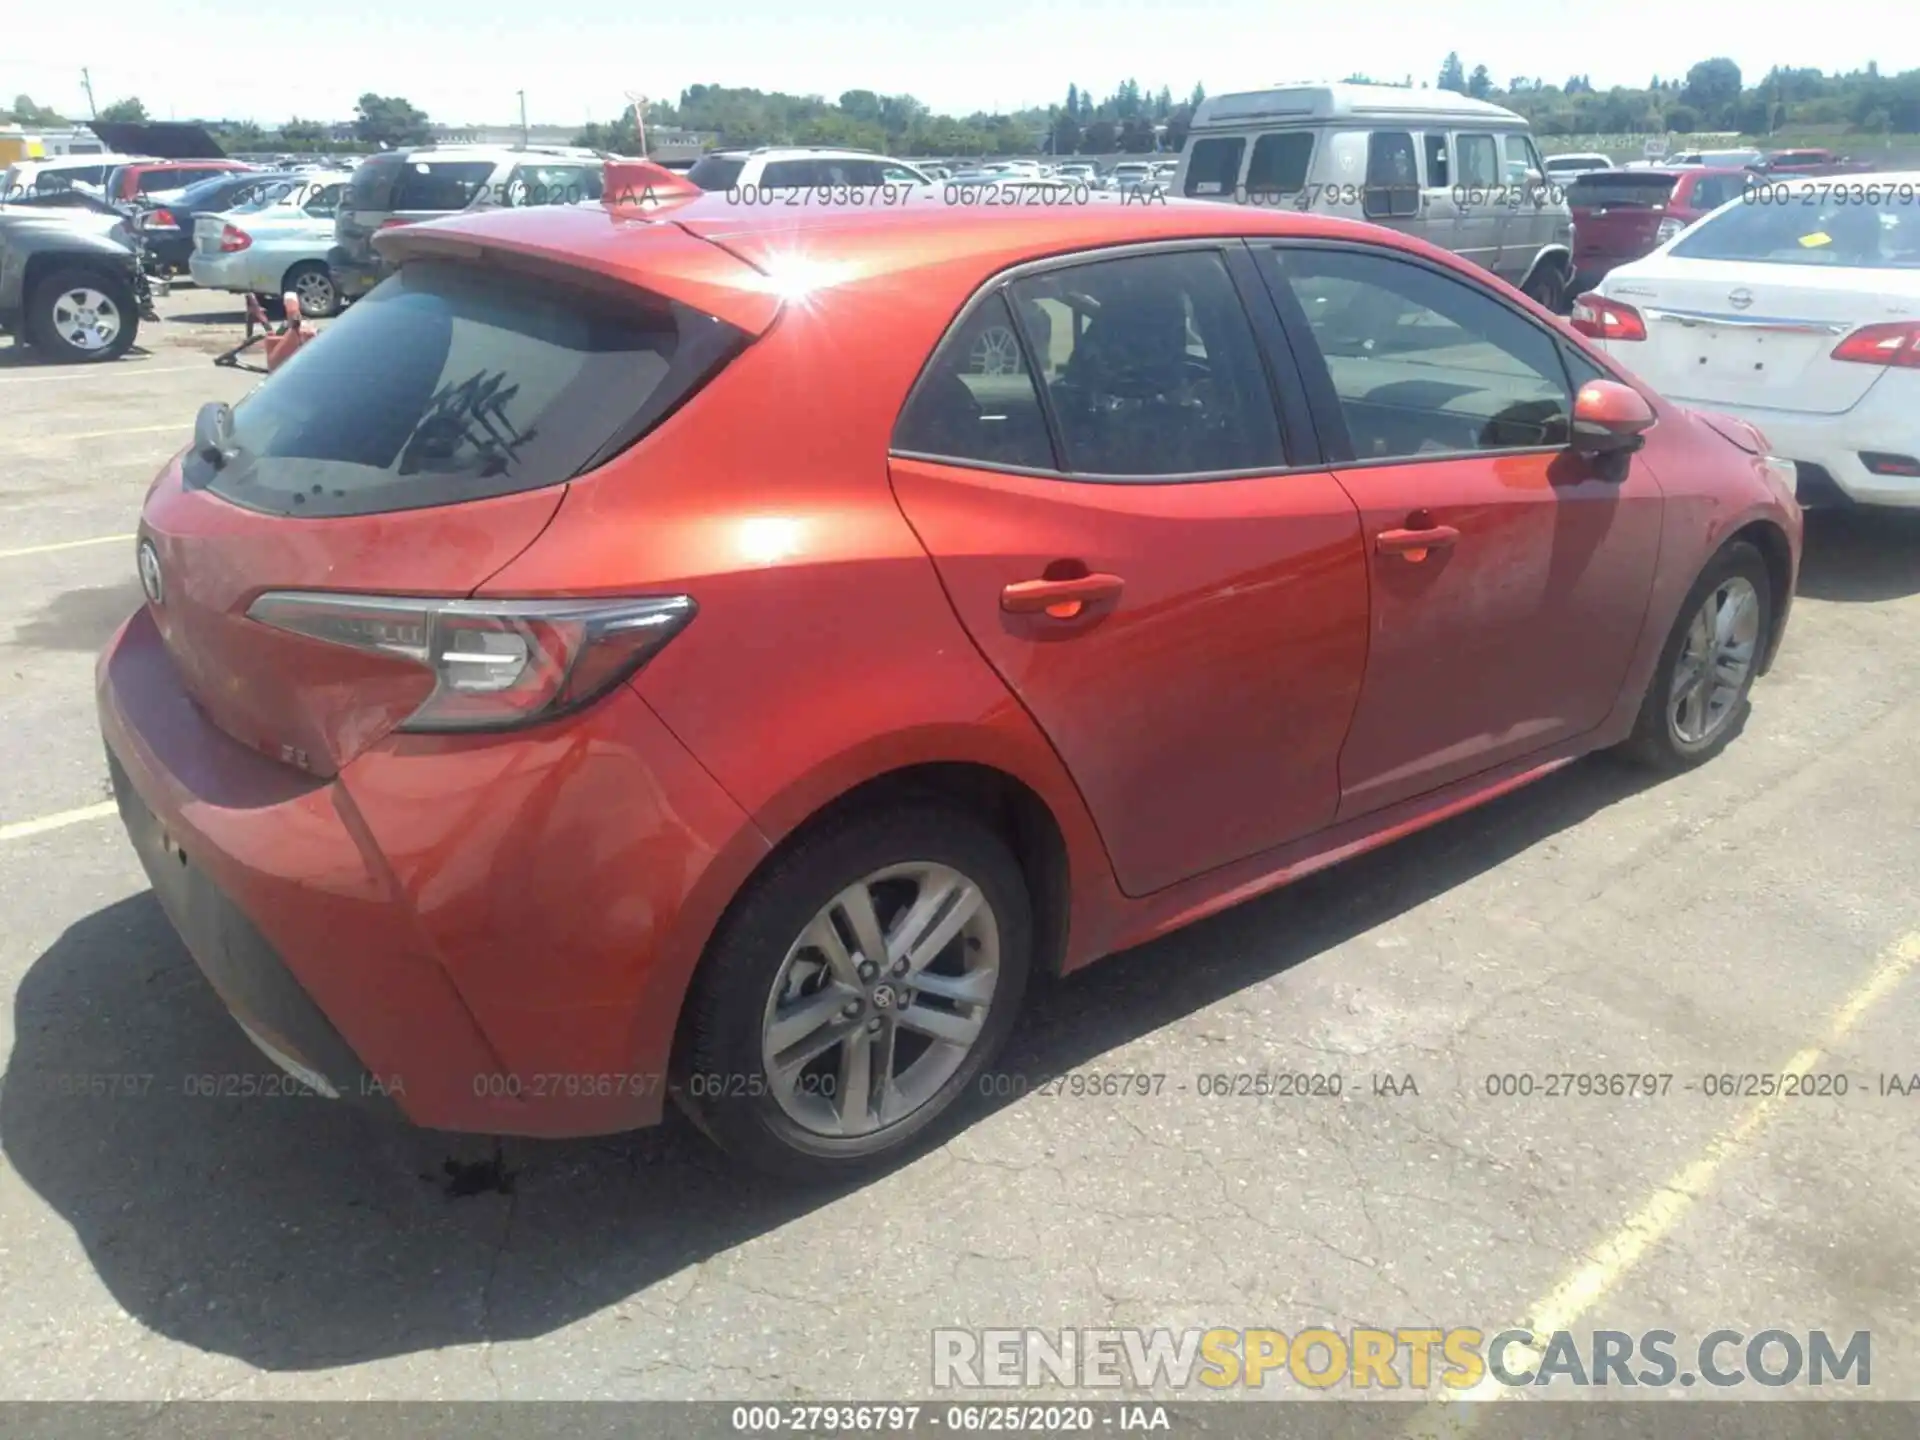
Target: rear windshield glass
<point x="716" y="172"/>
<point x="371" y="186"/>
<point x="451" y="383"/>
<point x="1829" y="231"/>
<point x="1620" y="189"/>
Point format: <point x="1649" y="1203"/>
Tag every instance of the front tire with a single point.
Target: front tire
<point x="82" y="317"/>
<point x="855" y="993"/>
<point x="1697" y="700"/>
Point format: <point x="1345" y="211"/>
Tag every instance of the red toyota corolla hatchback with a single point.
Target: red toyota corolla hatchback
<point x="673" y="648"/>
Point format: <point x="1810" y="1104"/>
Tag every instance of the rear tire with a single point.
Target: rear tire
<point x="787" y="976"/>
<point x="1697" y="700"/>
<point x="82" y="317"/>
<point x="313" y="283"/>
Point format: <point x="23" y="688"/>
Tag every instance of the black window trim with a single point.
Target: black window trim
<point x="1001" y="281"/>
<point x="1329" y="419"/>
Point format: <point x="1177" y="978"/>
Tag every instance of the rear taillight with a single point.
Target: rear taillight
<point x="163" y="216"/>
<point x="497" y="664"/>
<point x="1895" y="343"/>
<point x="1607" y="319"/>
<point x="233" y="238"/>
<point x="1669" y="228"/>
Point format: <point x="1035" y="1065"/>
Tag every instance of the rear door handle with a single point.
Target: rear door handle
<point x="1414" y="544"/>
<point x="1062" y="599"/>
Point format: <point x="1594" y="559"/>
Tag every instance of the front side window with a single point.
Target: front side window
<point x="1150" y="366"/>
<point x="791" y="174"/>
<point x="1479" y="160"/>
<point x="1423" y="364"/>
<point x="717" y="172"/>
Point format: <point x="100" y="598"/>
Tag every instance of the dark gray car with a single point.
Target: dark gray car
<point x="71" y="282"/>
<point x="405" y="186"/>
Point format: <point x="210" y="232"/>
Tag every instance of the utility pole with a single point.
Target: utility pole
<point x="523" y="118"/>
<point x="639" y="103"/>
<point x="87" y="81"/>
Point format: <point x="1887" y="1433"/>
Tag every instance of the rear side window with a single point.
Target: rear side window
<point x="791" y="174"/>
<point x="716" y="172"/>
<point x="1479" y="160"/>
<point x="1436" y="147"/>
<point x="1710" y="192"/>
<point x="450" y="383"/>
<point x="1393" y="176"/>
<point x="976" y="402"/>
<point x="440" y="184"/>
<point x="1150" y="366"/>
<point x="1213" y="166"/>
<point x="1279" y="165"/>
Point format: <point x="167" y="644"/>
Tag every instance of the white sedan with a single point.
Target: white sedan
<point x="271" y="249"/>
<point x="1797" y="309"/>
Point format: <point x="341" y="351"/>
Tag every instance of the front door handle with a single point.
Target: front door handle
<point x="1062" y="599"/>
<point x="1413" y="545"/>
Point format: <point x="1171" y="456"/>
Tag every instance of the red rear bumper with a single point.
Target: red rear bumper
<point x="490" y="933"/>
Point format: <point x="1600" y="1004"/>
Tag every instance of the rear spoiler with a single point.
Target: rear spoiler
<point x="629" y="239"/>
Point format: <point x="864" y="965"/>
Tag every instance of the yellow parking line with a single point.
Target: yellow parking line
<point x="1565" y="1305"/>
<point x="63" y="545"/>
<point x="20" y="829"/>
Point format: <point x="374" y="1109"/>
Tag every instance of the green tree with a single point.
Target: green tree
<point x="1453" y="75"/>
<point x="389" y="121"/>
<point x="1682" y="120"/>
<point x="1073" y="102"/>
<point x="862" y="105"/>
<point x="303" y="132"/>
<point x="1480" y="83"/>
<point x="1065" y="139"/>
<point x="127" y="111"/>
<point x="1712" y="88"/>
<point x="242" y="135"/>
<point x="25" y="112"/>
<point x="1102" y="138"/>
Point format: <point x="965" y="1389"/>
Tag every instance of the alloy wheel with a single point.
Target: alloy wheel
<point x="996" y="352"/>
<point x="86" y="319"/>
<point x="880" y="999"/>
<point x="1716" y="661"/>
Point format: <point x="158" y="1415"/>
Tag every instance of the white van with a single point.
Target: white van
<point x="1457" y="172"/>
<point x="61" y="172"/>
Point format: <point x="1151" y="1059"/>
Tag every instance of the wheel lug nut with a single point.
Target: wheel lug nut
<point x="868" y="970"/>
<point x="851" y="1009"/>
<point x="899" y="967"/>
<point x="873" y="1025"/>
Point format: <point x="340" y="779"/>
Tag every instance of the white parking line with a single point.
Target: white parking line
<point x="63" y="545"/>
<point x="89" y="372"/>
<point x="20" y="829"/>
<point x="130" y="430"/>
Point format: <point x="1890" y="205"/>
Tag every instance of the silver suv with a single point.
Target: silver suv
<point x="801" y="168"/>
<point x="403" y="186"/>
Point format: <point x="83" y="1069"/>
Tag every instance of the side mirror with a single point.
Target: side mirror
<point x="213" y="433"/>
<point x="1610" y="419"/>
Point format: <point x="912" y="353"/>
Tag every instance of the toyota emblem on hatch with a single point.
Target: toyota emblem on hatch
<point x="150" y="573"/>
<point x="1740" y="299"/>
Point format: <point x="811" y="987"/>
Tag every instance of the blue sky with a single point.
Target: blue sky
<point x="462" y="62"/>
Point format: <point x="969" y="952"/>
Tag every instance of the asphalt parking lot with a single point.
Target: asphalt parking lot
<point x="1755" y="916"/>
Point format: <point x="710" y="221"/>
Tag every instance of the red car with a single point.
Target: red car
<point x="1620" y="215"/>
<point x="149" y="177"/>
<point x="674" y="647"/>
